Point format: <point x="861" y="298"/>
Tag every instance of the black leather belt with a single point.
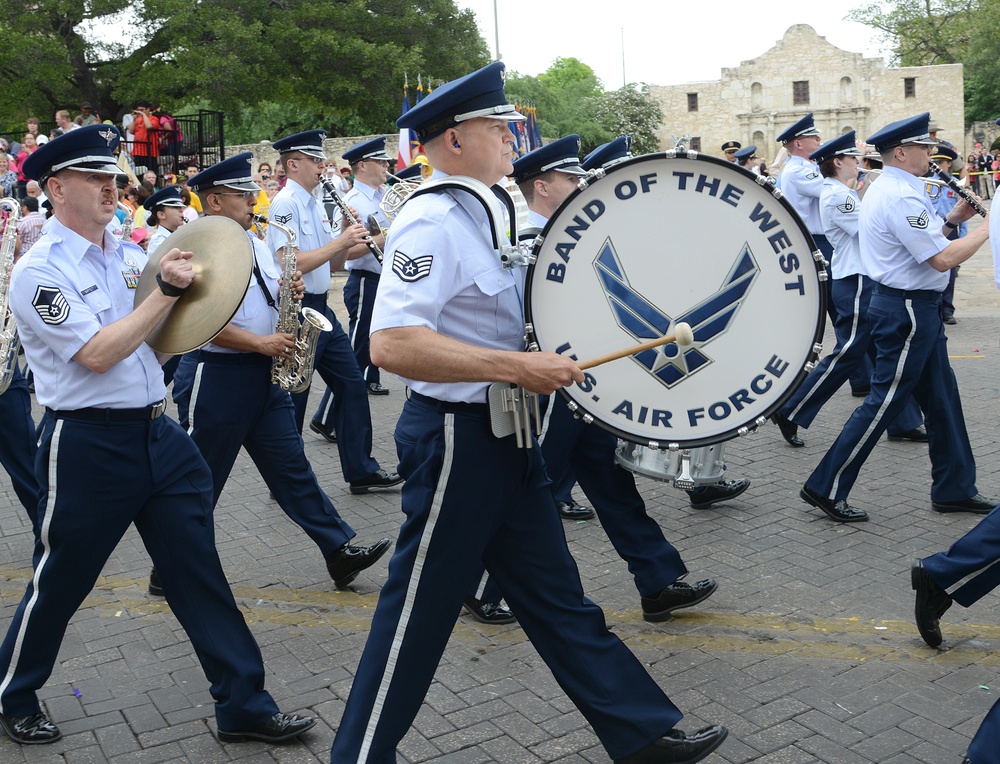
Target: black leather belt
<point x="908" y="294"/>
<point x="452" y="407"/>
<point x="112" y="415"/>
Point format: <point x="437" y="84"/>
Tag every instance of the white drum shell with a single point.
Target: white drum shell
<point x="706" y="464"/>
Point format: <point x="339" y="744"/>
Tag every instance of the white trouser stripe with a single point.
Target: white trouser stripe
<point x="195" y="387"/>
<point x="411" y="591"/>
<point x="959" y="584"/>
<point x="835" y="358"/>
<point x="357" y="320"/>
<point x="900" y="364"/>
<point x="44" y="533"/>
<point x="547" y="417"/>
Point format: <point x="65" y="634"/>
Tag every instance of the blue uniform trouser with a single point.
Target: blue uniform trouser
<point x="859" y="377"/>
<point x="851" y="296"/>
<point x="969" y="571"/>
<point x="17" y="444"/>
<point x="96" y="479"/>
<point x="570" y="445"/>
<point x="948" y="295"/>
<point x="352" y="418"/>
<point x="183" y="383"/>
<point x="324" y="413"/>
<point x="359" y="299"/>
<point x="234" y="404"/>
<point x="449" y="457"/>
<point x="911" y="358"/>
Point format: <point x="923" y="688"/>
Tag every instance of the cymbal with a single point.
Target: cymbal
<point x="223" y="266"/>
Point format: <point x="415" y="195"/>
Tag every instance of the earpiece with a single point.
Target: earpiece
<point x="456" y="145"/>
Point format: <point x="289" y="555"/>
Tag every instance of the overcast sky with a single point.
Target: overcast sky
<point x="662" y="46"/>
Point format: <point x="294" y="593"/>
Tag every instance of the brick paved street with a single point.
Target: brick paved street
<point x="807" y="652"/>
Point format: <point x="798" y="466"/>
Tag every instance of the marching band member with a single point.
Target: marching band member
<point x="546" y="177"/>
<point x="729" y="149"/>
<point x="115" y="458"/>
<point x="448" y="320"/>
<point x="234" y="404"/>
<point x="944" y="203"/>
<point x="17" y="446"/>
<point x="297" y="208"/>
<point x="907" y="255"/>
<point x="166" y="210"/>
<point x="840" y="211"/>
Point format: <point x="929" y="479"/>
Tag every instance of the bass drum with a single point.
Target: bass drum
<point x="669" y="238"/>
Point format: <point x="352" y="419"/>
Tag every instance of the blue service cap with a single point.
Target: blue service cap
<point x="746" y="152"/>
<point x="842" y="145"/>
<point x="909" y="130"/>
<point x="309" y="143"/>
<point x="411" y="173"/>
<point x="562" y="155"/>
<point x="87" y="149"/>
<point x="235" y="172"/>
<point x="804" y="127"/>
<point x="731" y="146"/>
<point x="607" y="153"/>
<point x="943" y="151"/>
<point x="371" y="149"/>
<point x="480" y="94"/>
<point x="165" y="197"/>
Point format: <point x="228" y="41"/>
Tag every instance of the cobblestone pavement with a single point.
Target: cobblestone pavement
<point x="807" y="652"/>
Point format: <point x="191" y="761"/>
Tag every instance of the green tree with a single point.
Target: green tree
<point x="340" y="61"/>
<point x="561" y="94"/>
<point x="630" y="111"/>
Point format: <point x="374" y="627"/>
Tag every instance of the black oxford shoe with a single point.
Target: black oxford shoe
<point x="155" y="587"/>
<point x="345" y="564"/>
<point x="328" y="433"/>
<point x="495" y="613"/>
<point x="573" y="511"/>
<point x="35" y="729"/>
<point x="706" y="496"/>
<point x="375" y="388"/>
<point x="916" y="435"/>
<point x="861" y="392"/>
<point x="378" y="479"/>
<point x="978" y="505"/>
<point x="789" y="430"/>
<point x="932" y="603"/>
<point x="677" y="748"/>
<point x="676" y="596"/>
<point x="276" y="729"/>
<point x="840" y="511"/>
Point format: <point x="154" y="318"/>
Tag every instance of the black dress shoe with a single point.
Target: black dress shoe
<point x="932" y="603"/>
<point x="378" y="479"/>
<point x="35" y="729"/>
<point x="345" y="564"/>
<point x="840" y="511"/>
<point x="950" y="319"/>
<point x="322" y="430"/>
<point x="155" y="587"/>
<point x="861" y="392"/>
<point x="495" y="613"/>
<point x="677" y="748"/>
<point x="706" y="496"/>
<point x="574" y="511"/>
<point x="916" y="435"/>
<point x="676" y="596"/>
<point x="789" y="430"/>
<point x="375" y="388"/>
<point x="977" y="504"/>
<point x="276" y="729"/>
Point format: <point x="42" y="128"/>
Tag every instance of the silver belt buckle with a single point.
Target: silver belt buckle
<point x="157" y="409"/>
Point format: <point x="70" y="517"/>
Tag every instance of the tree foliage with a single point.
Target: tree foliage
<point x="341" y="62"/>
<point x="631" y="111"/>
<point x="925" y="32"/>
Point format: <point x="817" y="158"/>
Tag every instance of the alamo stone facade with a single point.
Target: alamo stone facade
<point x="755" y="101"/>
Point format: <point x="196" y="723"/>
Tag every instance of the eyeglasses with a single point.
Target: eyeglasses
<point x="247" y="195"/>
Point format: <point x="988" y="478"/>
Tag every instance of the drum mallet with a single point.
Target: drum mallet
<point x="682" y="336"/>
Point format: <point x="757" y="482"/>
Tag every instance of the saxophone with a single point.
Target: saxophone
<point x="9" y="341"/>
<point x="294" y="374"/>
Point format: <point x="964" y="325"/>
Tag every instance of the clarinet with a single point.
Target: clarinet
<point x="332" y="190"/>
<point x="959" y="189"/>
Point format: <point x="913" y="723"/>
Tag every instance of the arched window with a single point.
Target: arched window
<point x="846" y="90"/>
<point x="758" y="140"/>
<point x="757" y="96"/>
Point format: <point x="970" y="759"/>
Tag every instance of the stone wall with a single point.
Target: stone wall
<point x="334" y="148"/>
<point x="753" y="102"/>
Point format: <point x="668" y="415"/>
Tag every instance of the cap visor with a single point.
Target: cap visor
<point x="102" y="169"/>
<point x="572" y="170"/>
<point x="248" y="185"/>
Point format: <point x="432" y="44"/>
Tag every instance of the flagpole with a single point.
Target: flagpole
<point x="496" y="28"/>
<point x="624" y="82"/>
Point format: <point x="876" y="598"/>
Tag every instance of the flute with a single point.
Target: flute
<point x="959" y="189"/>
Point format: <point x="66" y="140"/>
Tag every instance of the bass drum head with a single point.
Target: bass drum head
<point x="668" y="238"/>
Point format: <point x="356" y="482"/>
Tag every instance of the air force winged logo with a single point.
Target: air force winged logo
<point x="918" y="221"/>
<point x="640" y="318"/>
<point x="847" y="206"/>
<point x="108" y="135"/>
<point x="51" y="305"/>
<point x="282" y="219"/>
<point x="411" y="269"/>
